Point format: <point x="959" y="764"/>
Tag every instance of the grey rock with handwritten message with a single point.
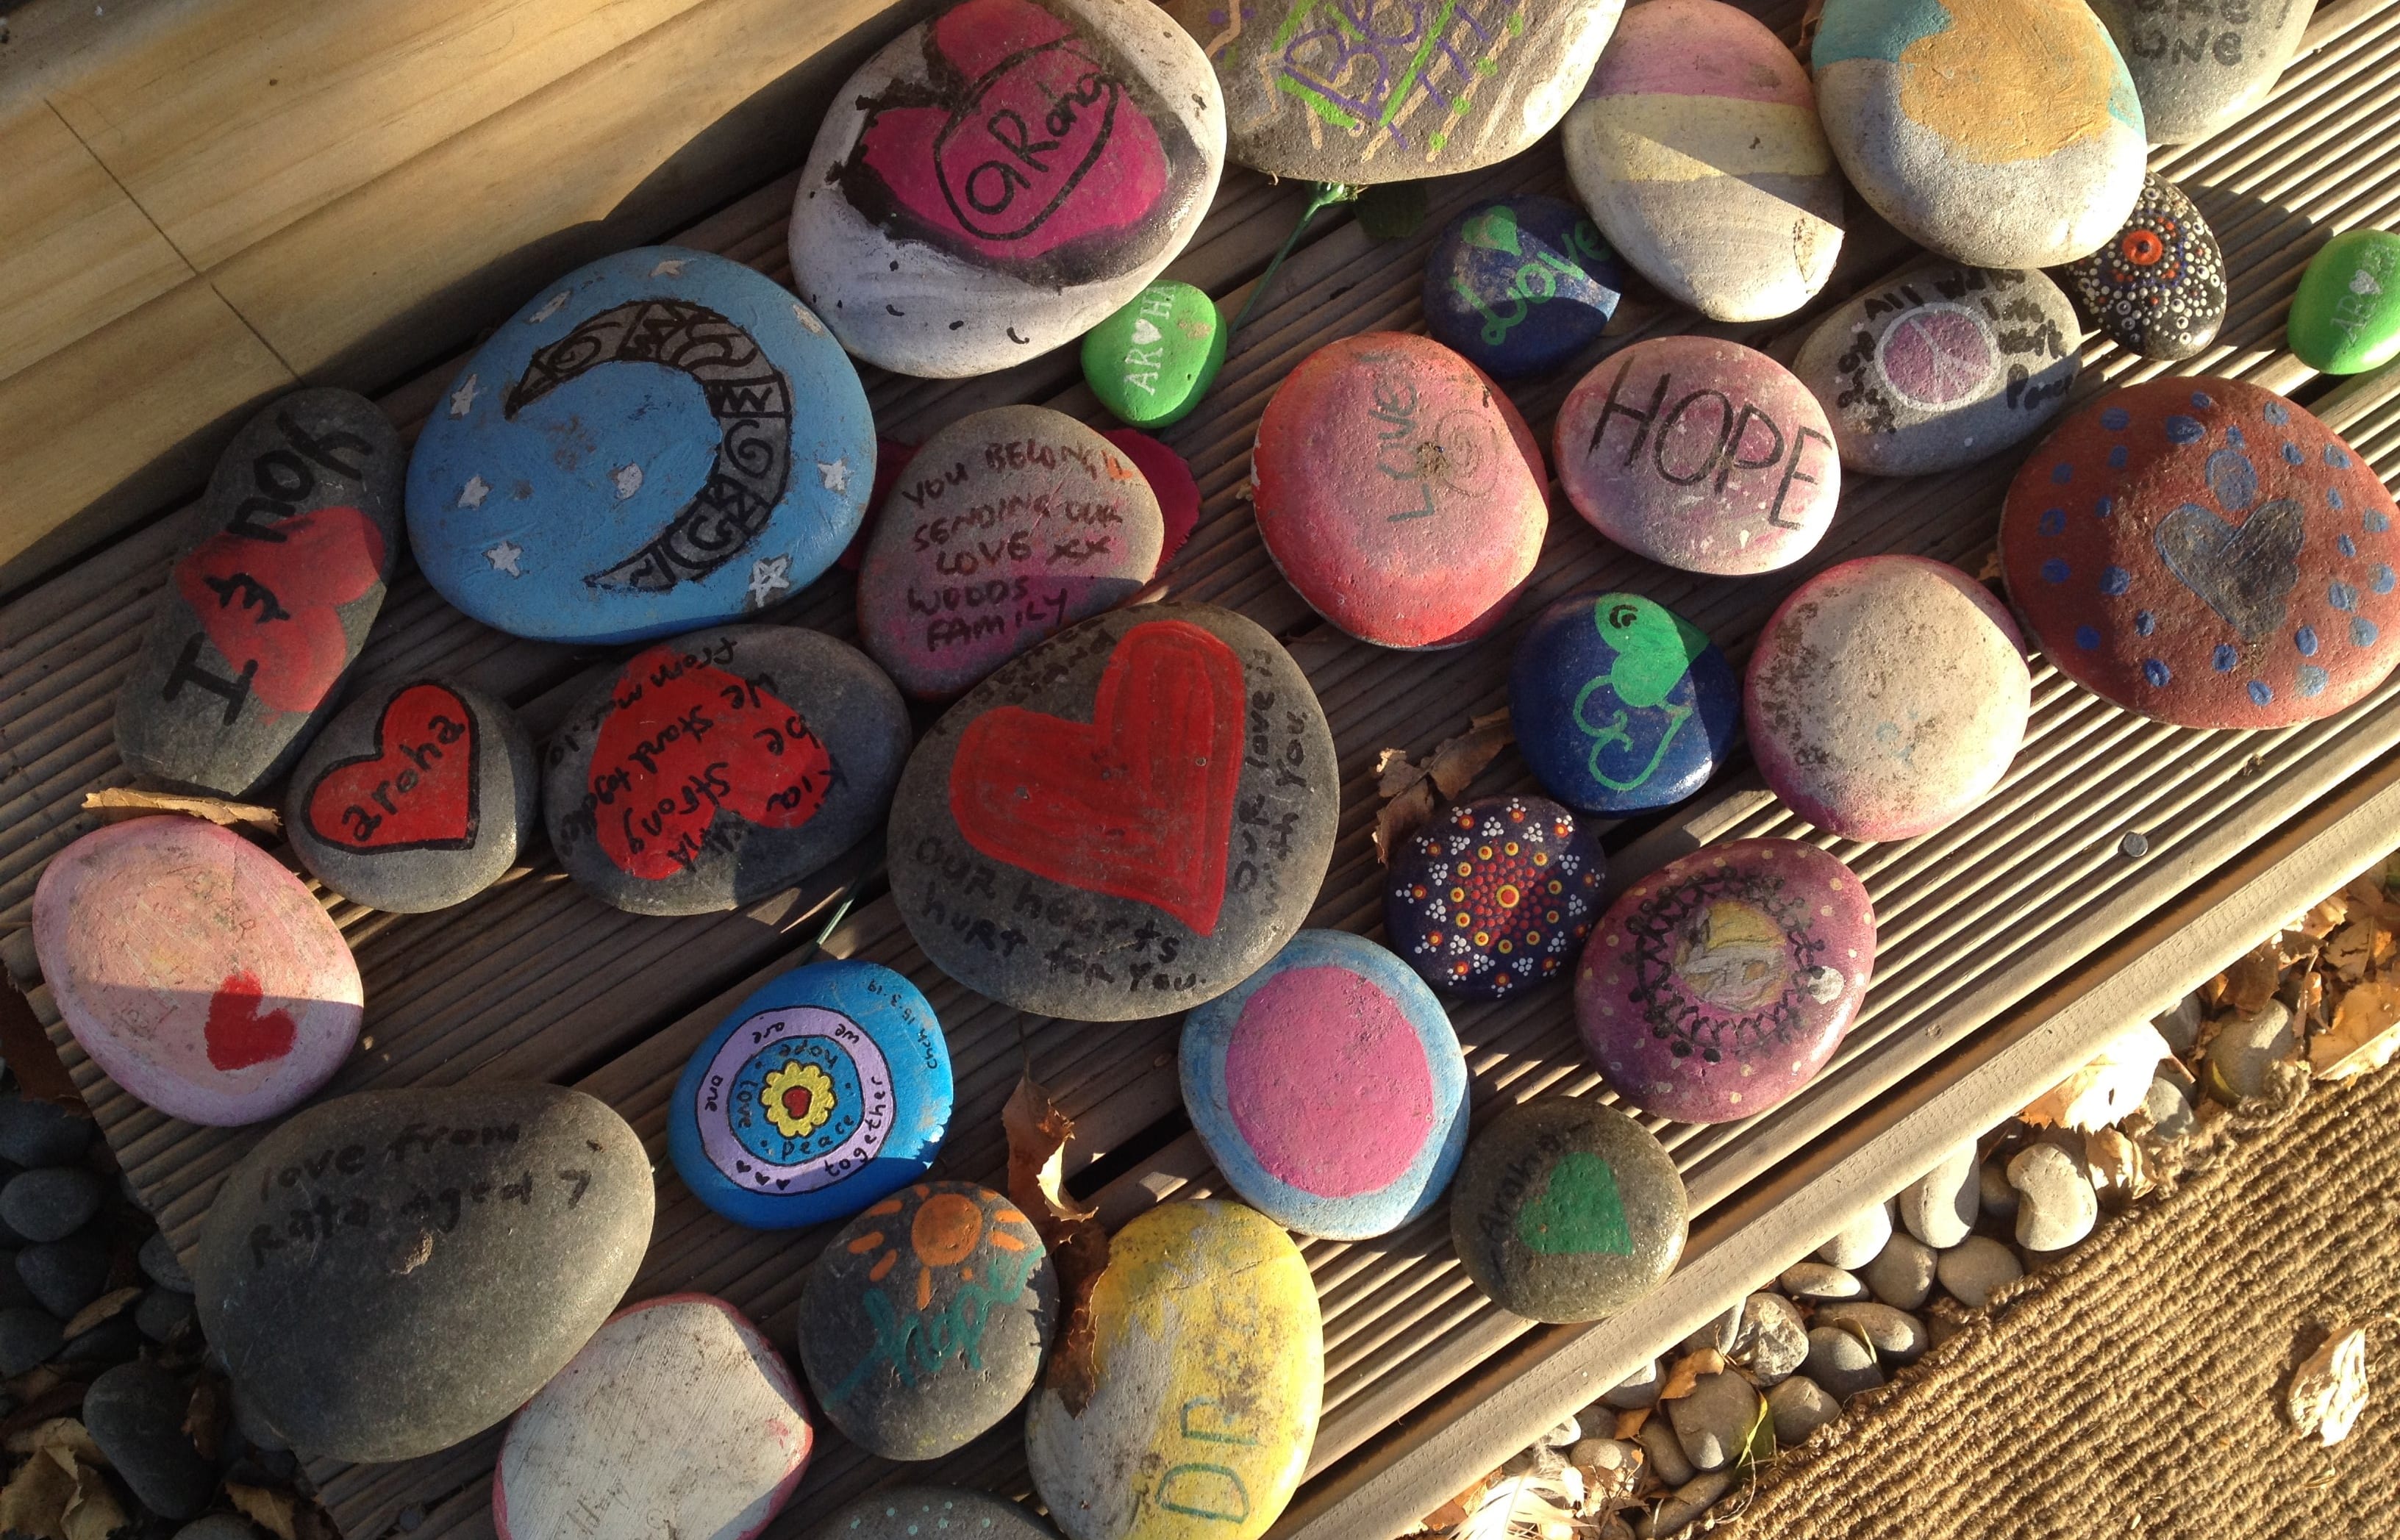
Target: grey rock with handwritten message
<point x="391" y="1271"/>
<point x="2199" y="65"/>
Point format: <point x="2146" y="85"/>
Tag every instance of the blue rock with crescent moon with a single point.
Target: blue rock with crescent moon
<point x="663" y="440"/>
<point x="1619" y="704"/>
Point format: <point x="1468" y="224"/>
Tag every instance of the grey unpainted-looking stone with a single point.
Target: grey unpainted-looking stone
<point x="158" y="1259"/>
<point x="135" y="1412"/>
<point x="1820" y="1281"/>
<point x="1898" y="1336"/>
<point x="1710" y="1422"/>
<point x="2179" y="1024"/>
<point x="53" y="1202"/>
<point x="1977" y="1266"/>
<point x="1666" y="1452"/>
<point x="1800" y="1407"/>
<point x="2168" y="1107"/>
<point x="1855" y="1244"/>
<point x="2000" y="1200"/>
<point x="29" y="1337"/>
<point x="1638" y="1389"/>
<point x="1939" y="1208"/>
<point x="65" y="1275"/>
<point x="1774" y="1340"/>
<point x="1903" y="1276"/>
<point x="1841" y="1361"/>
<point x="2056" y="1205"/>
<point x="1692" y="1499"/>
<point x="39" y="1132"/>
<point x="162" y="1312"/>
<point x="2243" y="1050"/>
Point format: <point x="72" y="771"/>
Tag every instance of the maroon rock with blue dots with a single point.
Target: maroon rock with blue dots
<point x="2205" y="552"/>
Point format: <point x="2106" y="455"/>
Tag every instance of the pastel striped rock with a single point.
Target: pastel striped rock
<point x="2199" y="65"/>
<point x="1386" y="90"/>
<point x="1697" y="149"/>
<point x="584" y="1457"/>
<point x="1208" y="1368"/>
<point x="2000" y="133"/>
<point x="997" y="180"/>
<point x="198" y="973"/>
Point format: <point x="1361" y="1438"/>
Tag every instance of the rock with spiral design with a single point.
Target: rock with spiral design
<point x="2158" y="287"/>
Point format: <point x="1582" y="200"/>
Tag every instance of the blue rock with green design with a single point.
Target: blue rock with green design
<point x="1521" y="285"/>
<point x="1621" y="706"/>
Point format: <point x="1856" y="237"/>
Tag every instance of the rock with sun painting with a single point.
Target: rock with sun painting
<point x="1008" y="526"/>
<point x="925" y="1320"/>
<point x="930" y="1513"/>
<point x="1720" y="983"/>
<point x="415" y="797"/>
<point x="558" y="495"/>
<point x="2207" y="553"/>
<point x="1566" y="1210"/>
<point x="1329" y="1088"/>
<point x="1620" y="704"/>
<point x="575" y="1463"/>
<point x="1942" y="367"/>
<point x="2157" y="286"/>
<point x="1492" y="898"/>
<point x="827" y="1090"/>
<point x="198" y="973"/>
<point x="999" y="179"/>
<point x="716" y="769"/>
<point x="1208" y="1366"/>
<point x="1122" y="822"/>
<point x="269" y="598"/>
<point x="1520" y="285"/>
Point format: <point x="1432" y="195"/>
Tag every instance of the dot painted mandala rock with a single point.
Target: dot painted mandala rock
<point x="2208" y="553"/>
<point x="1492" y="898"/>
<point x="2158" y="288"/>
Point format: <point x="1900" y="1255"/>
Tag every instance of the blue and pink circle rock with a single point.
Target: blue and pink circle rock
<point x="1492" y="897"/>
<point x="1620" y="704"/>
<point x="1519" y="285"/>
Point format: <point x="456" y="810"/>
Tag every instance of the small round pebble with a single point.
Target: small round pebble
<point x="1800" y="1407"/>
<point x="111" y="1341"/>
<point x="65" y="1275"/>
<point x="1493" y="897"/>
<point x="2056" y="1205"/>
<point x="2180" y="1024"/>
<point x="1668" y="1461"/>
<point x="162" y="1312"/>
<point x="1939" y="1207"/>
<point x="1773" y="1338"/>
<point x="1820" y="1281"/>
<point x="53" y="1203"/>
<point x="158" y="1259"/>
<point x="39" y="1132"/>
<point x="135" y="1412"/>
<point x="1841" y="1362"/>
<point x="217" y="1526"/>
<point x="1902" y="1274"/>
<point x="2169" y="1108"/>
<point x="1711" y="1420"/>
<point x="28" y="1337"/>
<point x="1998" y="1199"/>
<point x="1975" y="1267"/>
<point x="1859" y="1241"/>
<point x="1638" y="1389"/>
<point x="1898" y="1336"/>
<point x="1520" y="285"/>
<point x="2243" y="1051"/>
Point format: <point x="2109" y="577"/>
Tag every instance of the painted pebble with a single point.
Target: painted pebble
<point x="1172" y="481"/>
<point x="1886" y="696"/>
<point x="1152" y="362"/>
<point x="2158" y="287"/>
<point x="824" y="1091"/>
<point x="1566" y="1210"/>
<point x="1700" y="454"/>
<point x="198" y="973"/>
<point x="2000" y="133"/>
<point x="584" y="1456"/>
<point x="1520" y="285"/>
<point x="269" y="599"/>
<point x="1492" y="898"/>
<point x="925" y="1320"/>
<point x="1942" y="367"/>
<point x="1122" y="822"/>
<point x="1332" y="93"/>
<point x="1010" y="525"/>
<point x="1209" y="1357"/>
<point x="1719" y="984"/>
<point x="390" y="1273"/>
<point x="1329" y="1088"/>
<point x="713" y="770"/>
<point x="1620" y="704"/>
<point x="1000" y="179"/>
<point x="2346" y="314"/>
<point x="555" y="496"/>
<point x="930" y="1513"/>
<point x="1697" y="149"/>
<point x="2200" y="64"/>
<point x="2207" y="553"/>
<point x="1399" y="491"/>
<point x="415" y="797"/>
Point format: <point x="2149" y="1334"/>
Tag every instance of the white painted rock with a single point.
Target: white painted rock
<point x="999" y="180"/>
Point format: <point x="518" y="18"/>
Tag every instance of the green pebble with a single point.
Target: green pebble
<point x="2346" y="316"/>
<point x="1152" y="362"/>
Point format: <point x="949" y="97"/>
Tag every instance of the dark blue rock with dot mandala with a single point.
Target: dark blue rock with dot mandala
<point x="1492" y="898"/>
<point x="2158" y="287"/>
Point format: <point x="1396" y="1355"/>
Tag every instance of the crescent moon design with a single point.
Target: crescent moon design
<point x="748" y="396"/>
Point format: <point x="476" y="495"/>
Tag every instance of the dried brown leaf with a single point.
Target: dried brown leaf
<point x="2329" y="1390"/>
<point x="1628" y="1424"/>
<point x="58" y="1433"/>
<point x="118" y="803"/>
<point x="270" y="1510"/>
<point x="2322" y="917"/>
<point x="35" y="1502"/>
<point x="93" y="1513"/>
<point x="1456" y="762"/>
<point x="2251" y="982"/>
<point x="2365" y="1035"/>
<point x="101" y="1309"/>
<point x="1688" y="1372"/>
<point x="1038" y="1133"/>
<point x="2350" y="950"/>
<point x="2104" y="1090"/>
<point x="2120" y="1172"/>
<point x="1394" y="773"/>
<point x="1401" y="817"/>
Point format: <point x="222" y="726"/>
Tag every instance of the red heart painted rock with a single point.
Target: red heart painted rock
<point x="271" y="607"/>
<point x="2208" y="553"/>
<point x="242" y="1030"/>
<point x="417" y="791"/>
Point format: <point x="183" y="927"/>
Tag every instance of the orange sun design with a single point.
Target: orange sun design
<point x="943" y="1233"/>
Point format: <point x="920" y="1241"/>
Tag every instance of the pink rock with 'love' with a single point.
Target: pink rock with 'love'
<point x="202" y="975"/>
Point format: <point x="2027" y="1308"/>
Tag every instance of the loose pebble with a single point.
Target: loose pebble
<point x="158" y="1259"/>
<point x="1638" y="1389"/>
<point x="1860" y="1241"/>
<point x="2180" y="1024"/>
<point x="1901" y="1274"/>
<point x="65" y="1275"/>
<point x="1711" y="1420"/>
<point x="1898" y="1336"/>
<point x="1939" y="1208"/>
<point x="1773" y="1341"/>
<point x="2169" y="1107"/>
<point x="2243" y="1050"/>
<point x="29" y="1338"/>
<point x="1820" y="1281"/>
<point x="1997" y="1198"/>
<point x="1619" y="704"/>
<point x="2157" y="287"/>
<point x="1800" y="1407"/>
<point x="1690" y="1501"/>
<point x="1975" y="1267"/>
<point x="162" y="1314"/>
<point x="135" y="1414"/>
<point x="1841" y="1362"/>
<point x="2196" y="74"/>
<point x="1520" y="285"/>
<point x="1152" y="362"/>
<point x="1493" y="897"/>
<point x="2056" y="1205"/>
<point x="1664" y="1451"/>
<point x="51" y="1204"/>
<point x="40" y="1133"/>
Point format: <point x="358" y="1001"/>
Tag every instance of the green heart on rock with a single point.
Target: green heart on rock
<point x="1577" y="1209"/>
<point x="1494" y="229"/>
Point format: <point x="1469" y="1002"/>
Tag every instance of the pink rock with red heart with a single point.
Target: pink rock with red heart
<point x="202" y="977"/>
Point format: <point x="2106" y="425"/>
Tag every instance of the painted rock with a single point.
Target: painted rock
<point x="415" y="797"/>
<point x="999" y="180"/>
<point x="713" y="770"/>
<point x="930" y="1513"/>
<point x="925" y="1320"/>
<point x="1942" y="367"/>
<point x="269" y="599"/>
<point x="1172" y="481"/>
<point x="389" y="1272"/>
<point x="2156" y="288"/>
<point x="1492" y="897"/>
<point x="2346" y="313"/>
<point x="1329" y="1088"/>
<point x="1719" y="984"/>
<point x="1697" y="149"/>
<point x="1520" y="285"/>
<point x="555" y="496"/>
<point x="1399" y="491"/>
<point x="1701" y="453"/>
<point x="584" y="1457"/>
<point x="824" y="1091"/>
<point x="2200" y="64"/>
<point x="198" y="973"/>
<point x="1152" y="362"/>
<point x="1124" y="823"/>
<point x="1011" y="525"/>
<point x="1620" y="704"/>
<point x="1325" y="91"/>
<point x="2000" y="133"/>
<point x="1886" y="696"/>
<point x="1209" y="1368"/>
<point x="2208" y="553"/>
<point x="1566" y="1210"/>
